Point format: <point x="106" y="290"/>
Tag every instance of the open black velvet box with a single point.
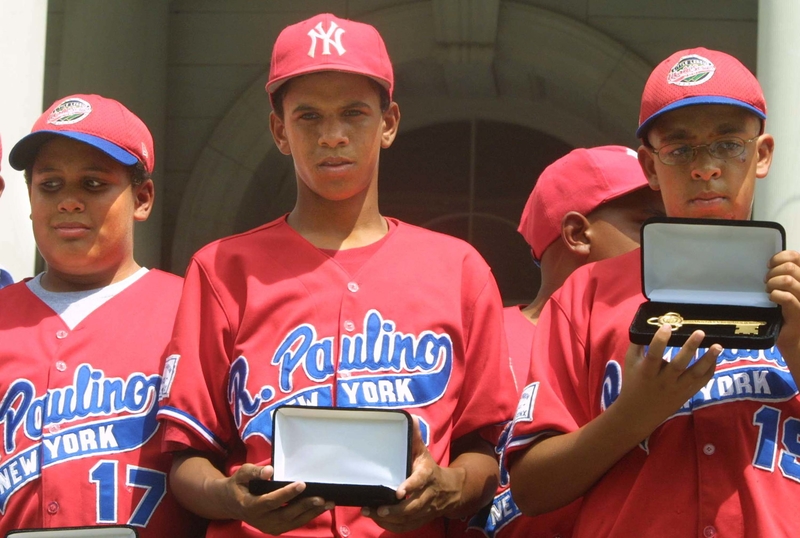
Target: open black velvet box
<point x="708" y="270"/>
<point x="353" y="457"/>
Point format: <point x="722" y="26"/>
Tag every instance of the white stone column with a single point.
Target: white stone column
<point x="778" y="196"/>
<point x="119" y="49"/>
<point x="22" y="39"/>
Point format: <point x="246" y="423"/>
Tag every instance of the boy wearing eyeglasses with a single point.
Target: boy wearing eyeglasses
<point x="664" y="441"/>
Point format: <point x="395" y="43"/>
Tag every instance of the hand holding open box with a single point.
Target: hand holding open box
<point x="709" y="275"/>
<point x="353" y="457"/>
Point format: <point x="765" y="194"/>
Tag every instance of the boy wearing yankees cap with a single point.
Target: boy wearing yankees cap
<point x="81" y="343"/>
<point x="588" y="205"/>
<point x="664" y="441"/>
<point x="335" y="305"/>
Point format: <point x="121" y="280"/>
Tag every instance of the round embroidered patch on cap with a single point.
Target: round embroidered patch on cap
<point x="691" y="71"/>
<point x="69" y="112"/>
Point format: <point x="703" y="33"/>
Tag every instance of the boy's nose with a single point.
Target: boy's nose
<point x="333" y="134"/>
<point x="705" y="166"/>
<point x="70" y="204"/>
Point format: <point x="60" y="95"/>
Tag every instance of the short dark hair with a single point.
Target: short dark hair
<point x="280" y="93"/>
<point x="137" y="173"/>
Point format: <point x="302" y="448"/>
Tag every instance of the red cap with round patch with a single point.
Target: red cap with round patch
<point x="699" y="77"/>
<point x="98" y="121"/>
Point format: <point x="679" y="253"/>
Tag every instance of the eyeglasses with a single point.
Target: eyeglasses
<point x="725" y="148"/>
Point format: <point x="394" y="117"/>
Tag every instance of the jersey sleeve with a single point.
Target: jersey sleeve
<point x="489" y="393"/>
<point x="193" y="406"/>
<point x="554" y="399"/>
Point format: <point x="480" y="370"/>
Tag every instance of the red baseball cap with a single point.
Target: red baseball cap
<point x="582" y="181"/>
<point x="699" y="77"/>
<point x="100" y="122"/>
<point x="328" y="43"/>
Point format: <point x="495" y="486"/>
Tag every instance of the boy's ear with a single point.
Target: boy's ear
<point x="2" y="185"/>
<point x="765" y="147"/>
<point x="144" y="195"/>
<point x="278" y="128"/>
<point x="574" y="233"/>
<point x="391" y="122"/>
<point x="647" y="160"/>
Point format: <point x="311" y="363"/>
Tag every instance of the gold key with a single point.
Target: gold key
<point x="675" y="320"/>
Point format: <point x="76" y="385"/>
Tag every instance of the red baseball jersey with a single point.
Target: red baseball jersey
<point x="503" y="519"/>
<point x="81" y="443"/>
<point x="725" y="464"/>
<point x="519" y="334"/>
<point x="268" y="319"/>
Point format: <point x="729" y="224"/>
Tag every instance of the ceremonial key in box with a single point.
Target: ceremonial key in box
<point x="353" y="457"/>
<point x="708" y="275"/>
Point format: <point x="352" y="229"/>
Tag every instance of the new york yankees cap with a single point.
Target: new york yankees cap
<point x="699" y="76"/>
<point x="328" y="43"/>
<point x="98" y="121"/>
<point x="582" y="180"/>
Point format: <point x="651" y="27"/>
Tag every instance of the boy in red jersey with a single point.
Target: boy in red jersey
<point x="684" y="446"/>
<point x="588" y="205"/>
<point x="81" y="344"/>
<point x="335" y="305"/>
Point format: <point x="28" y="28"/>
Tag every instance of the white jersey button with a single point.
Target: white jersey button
<point x="709" y="449"/>
<point x="349" y="326"/>
<point x="61" y="334"/>
<point x="352" y="286"/>
<point x="52" y="508"/>
<point x="53" y="428"/>
<point x="709" y="532"/>
<point x="344" y="530"/>
<point x="61" y="366"/>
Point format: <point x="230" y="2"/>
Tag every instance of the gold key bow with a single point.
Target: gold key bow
<point x="675" y="320"/>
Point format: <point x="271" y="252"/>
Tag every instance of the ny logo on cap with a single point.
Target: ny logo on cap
<point x="327" y="41"/>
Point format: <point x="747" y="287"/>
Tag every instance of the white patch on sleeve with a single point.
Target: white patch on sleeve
<point x="170" y="366"/>
<point x="526" y="402"/>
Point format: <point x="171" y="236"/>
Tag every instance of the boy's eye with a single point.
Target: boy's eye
<point x="93" y="183"/>
<point x="728" y="147"/>
<point x="353" y="112"/>
<point x="678" y="151"/>
<point x="49" y="184"/>
<point x="309" y="116"/>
